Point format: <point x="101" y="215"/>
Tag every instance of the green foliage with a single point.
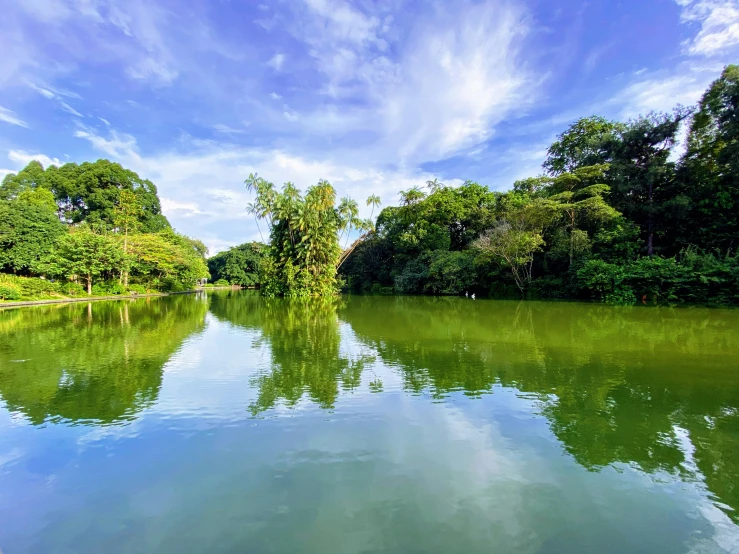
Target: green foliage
<point x="115" y="231"/>
<point x="9" y="292"/>
<point x="710" y="167"/>
<point x="166" y="261"/>
<point x="85" y="253"/>
<point x="614" y="218"/>
<point x="451" y="272"/>
<point x="304" y="250"/>
<point x="91" y="192"/>
<point x="238" y="265"/>
<point x="221" y="283"/>
<point x="29" y="228"/>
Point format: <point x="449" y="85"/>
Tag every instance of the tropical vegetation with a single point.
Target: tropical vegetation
<point x="93" y="228"/>
<point x="619" y="214"/>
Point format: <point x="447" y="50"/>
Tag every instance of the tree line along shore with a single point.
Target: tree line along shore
<point x="622" y="212"/>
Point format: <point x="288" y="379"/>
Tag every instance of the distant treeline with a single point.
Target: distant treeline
<point x="94" y="228"/>
<point x="617" y="215"/>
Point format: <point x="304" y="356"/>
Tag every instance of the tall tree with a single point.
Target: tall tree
<point x="29" y="229"/>
<point x="642" y="176"/>
<point x="87" y="254"/>
<point x="127" y="220"/>
<point x="304" y="248"/>
<point x="710" y="166"/>
<point x="90" y="192"/>
<point x="584" y="143"/>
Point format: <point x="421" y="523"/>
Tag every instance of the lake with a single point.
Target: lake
<point x="225" y="422"/>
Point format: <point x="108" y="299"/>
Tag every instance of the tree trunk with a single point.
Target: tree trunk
<point x="650" y="222"/>
<point x="124" y="271"/>
<point x="89" y="284"/>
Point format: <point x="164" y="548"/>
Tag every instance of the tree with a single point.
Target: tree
<point x="411" y="196"/>
<point x="642" y="177"/>
<point x="239" y="265"/>
<point x="576" y="200"/>
<point x="89" y="192"/>
<point x="304" y="250"/>
<point x="87" y="254"/>
<point x="710" y="166"/>
<point x="127" y="220"/>
<point x="512" y="242"/>
<point x="584" y="143"/>
<point x="29" y="229"/>
<point x="374" y="201"/>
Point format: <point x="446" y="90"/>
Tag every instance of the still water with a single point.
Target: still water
<point x="231" y="423"/>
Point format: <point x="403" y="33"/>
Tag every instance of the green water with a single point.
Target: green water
<point x="229" y="423"/>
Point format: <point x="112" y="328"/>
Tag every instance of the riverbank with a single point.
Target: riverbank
<point x="28" y="303"/>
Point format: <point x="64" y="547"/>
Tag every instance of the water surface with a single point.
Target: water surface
<point x="231" y="423"/>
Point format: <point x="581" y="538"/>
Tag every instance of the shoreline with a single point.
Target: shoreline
<point x="29" y="303"/>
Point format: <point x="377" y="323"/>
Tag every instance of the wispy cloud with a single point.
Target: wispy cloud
<point x="719" y="25"/>
<point x="226" y="130"/>
<point x="276" y="62"/>
<point x="9" y="116"/>
<point x="22" y="158"/>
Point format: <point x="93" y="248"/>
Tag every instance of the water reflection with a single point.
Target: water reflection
<point x="656" y="389"/>
<point x="96" y="364"/>
<point x="652" y="389"/>
<point x="304" y="341"/>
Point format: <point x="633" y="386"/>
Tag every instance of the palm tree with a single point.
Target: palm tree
<point x="252" y="208"/>
<point x="412" y="195"/>
<point x="434" y="185"/>
<point x="374" y="201"/>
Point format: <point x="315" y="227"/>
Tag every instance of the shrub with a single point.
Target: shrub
<point x="139" y="289"/>
<point x="9" y="292"/>
<point x="605" y="281"/>
<point x="221" y="283"/>
<point x="72" y="289"/>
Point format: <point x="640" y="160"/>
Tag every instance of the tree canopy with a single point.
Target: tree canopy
<point x="95" y="223"/>
<point x="617" y="214"/>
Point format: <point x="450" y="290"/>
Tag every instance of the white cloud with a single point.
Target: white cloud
<point x="226" y="130"/>
<point x="9" y="116"/>
<point x="206" y="179"/>
<point x="719" y="25"/>
<point x="69" y="109"/>
<point x="119" y="146"/>
<point x="276" y="62"/>
<point x="275" y="96"/>
<point x="170" y="207"/>
<point x="150" y="68"/>
<point x="455" y="75"/>
<point x="21" y="158"/>
<point x="662" y="91"/>
<point x="56" y="95"/>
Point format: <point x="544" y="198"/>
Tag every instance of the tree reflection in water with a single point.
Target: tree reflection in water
<point x="97" y="363"/>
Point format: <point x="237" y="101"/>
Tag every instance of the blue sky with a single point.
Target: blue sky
<point x="373" y="95"/>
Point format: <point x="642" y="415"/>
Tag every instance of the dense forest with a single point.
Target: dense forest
<point x="94" y="228"/>
<point x="620" y="214"/>
<point x="623" y="212"/>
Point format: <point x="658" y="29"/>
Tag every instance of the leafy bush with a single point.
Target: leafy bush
<point x="138" y="289"/>
<point x="72" y="289"/>
<point x="9" y="292"/>
<point x="605" y="281"/>
<point x="221" y="283"/>
<point x="108" y="288"/>
<point x="451" y="272"/>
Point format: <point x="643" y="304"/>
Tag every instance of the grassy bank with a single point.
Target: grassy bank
<point x="14" y="288"/>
